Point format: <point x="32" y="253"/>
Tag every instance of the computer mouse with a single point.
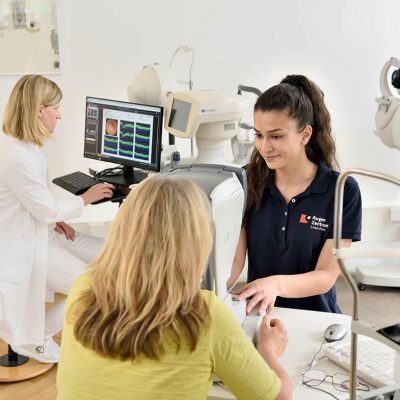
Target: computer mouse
<point x="335" y="332"/>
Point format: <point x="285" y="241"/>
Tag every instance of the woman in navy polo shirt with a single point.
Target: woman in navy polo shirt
<point x="288" y="226"/>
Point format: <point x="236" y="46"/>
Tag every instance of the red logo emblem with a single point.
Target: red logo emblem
<point x="303" y="219"/>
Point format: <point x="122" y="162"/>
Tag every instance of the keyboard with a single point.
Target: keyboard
<point x="375" y="361"/>
<point x="76" y="182"/>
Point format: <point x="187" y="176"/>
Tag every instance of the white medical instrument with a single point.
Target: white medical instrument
<point x="211" y="118"/>
<point x="388" y="129"/>
<point x="387" y="121"/>
<point x="387" y="117"/>
<point x="226" y="187"/>
<point x="155" y="82"/>
<point x="208" y="116"/>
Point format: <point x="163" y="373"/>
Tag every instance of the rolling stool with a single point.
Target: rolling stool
<point x="14" y="367"/>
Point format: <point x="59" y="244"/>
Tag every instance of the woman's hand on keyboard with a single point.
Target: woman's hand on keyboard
<point x="98" y="192"/>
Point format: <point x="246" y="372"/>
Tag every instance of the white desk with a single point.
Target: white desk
<point x="305" y="330"/>
<point x="95" y="219"/>
<point x="97" y="213"/>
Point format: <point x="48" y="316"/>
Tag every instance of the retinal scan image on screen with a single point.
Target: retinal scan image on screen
<point x="125" y="133"/>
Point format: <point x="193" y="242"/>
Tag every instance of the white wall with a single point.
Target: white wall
<point x="25" y="50"/>
<point x="341" y="45"/>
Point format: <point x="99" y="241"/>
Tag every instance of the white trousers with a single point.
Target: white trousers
<point x="67" y="259"/>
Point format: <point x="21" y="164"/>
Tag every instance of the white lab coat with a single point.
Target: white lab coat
<point x="26" y="209"/>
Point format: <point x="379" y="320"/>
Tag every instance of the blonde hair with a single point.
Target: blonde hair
<point x="146" y="281"/>
<point x="21" y="116"/>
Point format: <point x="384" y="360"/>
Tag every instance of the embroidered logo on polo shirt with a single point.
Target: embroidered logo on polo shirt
<point x="317" y="223"/>
<point x="304" y="218"/>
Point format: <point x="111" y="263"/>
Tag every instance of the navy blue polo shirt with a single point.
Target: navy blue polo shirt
<point x="287" y="239"/>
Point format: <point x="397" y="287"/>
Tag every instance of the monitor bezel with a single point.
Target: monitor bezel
<point x="156" y="167"/>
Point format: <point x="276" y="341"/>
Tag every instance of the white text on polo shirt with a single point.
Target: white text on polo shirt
<point x="317" y="223"/>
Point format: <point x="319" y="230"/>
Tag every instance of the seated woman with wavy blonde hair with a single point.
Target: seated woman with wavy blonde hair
<point x="138" y="325"/>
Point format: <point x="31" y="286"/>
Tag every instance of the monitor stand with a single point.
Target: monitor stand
<point x="128" y="177"/>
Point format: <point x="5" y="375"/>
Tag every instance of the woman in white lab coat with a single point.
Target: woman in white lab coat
<point x="39" y="253"/>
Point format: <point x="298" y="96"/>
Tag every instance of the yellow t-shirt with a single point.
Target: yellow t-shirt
<point x="223" y="349"/>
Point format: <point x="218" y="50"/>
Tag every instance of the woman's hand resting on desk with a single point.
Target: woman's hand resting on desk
<point x="272" y="340"/>
<point x="272" y="336"/>
<point x="263" y="291"/>
<point x="98" y="192"/>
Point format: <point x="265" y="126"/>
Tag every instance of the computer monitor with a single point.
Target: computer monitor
<point x="124" y="133"/>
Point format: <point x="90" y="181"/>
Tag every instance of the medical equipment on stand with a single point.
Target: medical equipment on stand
<point x="243" y="143"/>
<point x="154" y="82"/>
<point x="387" y="121"/>
<point x="209" y="116"/>
<point x="387" y="117"/>
<point x="212" y="118"/>
<point x="152" y="86"/>
<point x="226" y="187"/>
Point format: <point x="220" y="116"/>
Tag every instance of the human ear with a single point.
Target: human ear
<point x="40" y="113"/>
<point x="307" y="132"/>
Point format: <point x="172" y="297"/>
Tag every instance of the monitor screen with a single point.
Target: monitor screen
<point x="123" y="133"/>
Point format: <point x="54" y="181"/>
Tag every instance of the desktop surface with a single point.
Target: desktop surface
<point x="306" y="333"/>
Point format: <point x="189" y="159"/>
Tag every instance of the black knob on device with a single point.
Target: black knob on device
<point x="396" y="78"/>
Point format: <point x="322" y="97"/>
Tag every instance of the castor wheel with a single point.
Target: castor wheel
<point x="362" y="286"/>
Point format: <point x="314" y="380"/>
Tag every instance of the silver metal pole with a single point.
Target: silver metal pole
<point x="337" y="236"/>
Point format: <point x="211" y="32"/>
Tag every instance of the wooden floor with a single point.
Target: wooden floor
<point x="42" y="387"/>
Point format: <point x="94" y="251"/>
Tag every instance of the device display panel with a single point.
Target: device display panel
<point x="179" y="117"/>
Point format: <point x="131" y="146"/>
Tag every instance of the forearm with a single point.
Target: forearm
<point x="314" y="282"/>
<point x="304" y="285"/>
<point x="239" y="258"/>
<point x="273" y="362"/>
<point x="237" y="268"/>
